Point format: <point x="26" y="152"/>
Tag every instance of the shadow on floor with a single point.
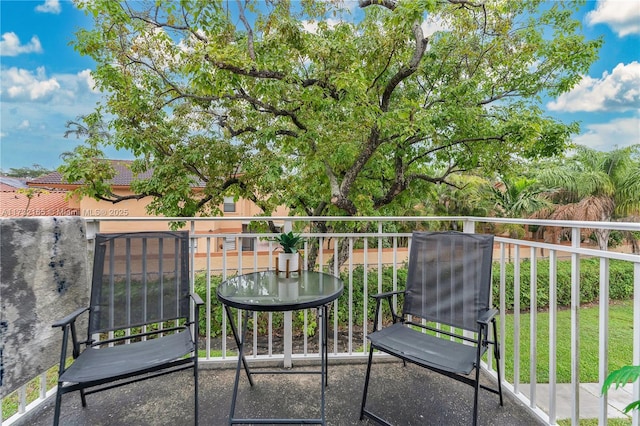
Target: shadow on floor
<point x="404" y="395"/>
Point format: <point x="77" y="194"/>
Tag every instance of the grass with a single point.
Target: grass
<point x="620" y="343"/>
<point x="594" y="422"/>
<point x="10" y="402"/>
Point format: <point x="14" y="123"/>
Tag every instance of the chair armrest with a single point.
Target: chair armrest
<point x="196" y="319"/>
<point x="380" y="297"/>
<point x="386" y="294"/>
<point x="68" y="325"/>
<point x="197" y="299"/>
<point x="69" y="318"/>
<point x="487" y="316"/>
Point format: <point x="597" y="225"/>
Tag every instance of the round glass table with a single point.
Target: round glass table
<point x="272" y="291"/>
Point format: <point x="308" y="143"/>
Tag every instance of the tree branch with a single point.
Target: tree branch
<point x="404" y="72"/>
<point x="243" y="18"/>
<point x="389" y="4"/>
<point x="259" y="105"/>
<point x="452" y="144"/>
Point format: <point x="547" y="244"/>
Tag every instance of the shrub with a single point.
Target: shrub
<point x="620" y="282"/>
<point x="372" y="288"/>
<point x="217" y="311"/>
<point x="620" y="288"/>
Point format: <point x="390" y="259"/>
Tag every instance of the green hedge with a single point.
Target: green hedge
<point x="372" y="288"/>
<point x="620" y="288"/>
<point x="200" y="287"/>
<point x="620" y="282"/>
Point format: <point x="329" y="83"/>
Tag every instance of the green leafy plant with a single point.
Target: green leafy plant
<point x="289" y="241"/>
<point x="620" y="377"/>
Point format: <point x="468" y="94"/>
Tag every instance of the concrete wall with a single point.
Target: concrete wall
<point x="44" y="276"/>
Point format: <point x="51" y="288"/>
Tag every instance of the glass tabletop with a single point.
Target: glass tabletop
<point x="272" y="291"/>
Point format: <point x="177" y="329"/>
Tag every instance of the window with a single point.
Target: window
<point x="227" y="243"/>
<point x="247" y="242"/>
<point x="229" y="205"/>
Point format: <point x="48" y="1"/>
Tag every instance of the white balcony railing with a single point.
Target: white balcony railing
<point x="217" y="254"/>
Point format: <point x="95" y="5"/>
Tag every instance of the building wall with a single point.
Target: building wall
<point x="91" y="208"/>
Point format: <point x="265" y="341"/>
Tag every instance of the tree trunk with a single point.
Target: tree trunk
<point x="603" y="238"/>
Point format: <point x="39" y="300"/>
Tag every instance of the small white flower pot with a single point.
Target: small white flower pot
<point x="292" y="258"/>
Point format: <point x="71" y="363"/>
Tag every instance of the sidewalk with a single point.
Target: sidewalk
<point x="617" y="399"/>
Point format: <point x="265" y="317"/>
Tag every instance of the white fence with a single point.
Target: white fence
<point x="217" y="255"/>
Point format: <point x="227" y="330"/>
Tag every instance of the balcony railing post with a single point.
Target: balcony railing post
<point x="533" y="326"/>
<point x="468" y="227"/>
<point x="553" y="328"/>
<point x="604" y="335"/>
<point x="516" y="320"/>
<point x="636" y="337"/>
<point x="287" y="335"/>
<point x="575" y="328"/>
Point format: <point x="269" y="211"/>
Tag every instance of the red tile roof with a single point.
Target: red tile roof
<point x="13" y="204"/>
<point x="123" y="176"/>
<point x="6" y="188"/>
<point x="11" y="184"/>
<point x="51" y="178"/>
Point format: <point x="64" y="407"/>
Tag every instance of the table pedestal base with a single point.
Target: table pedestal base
<point x="242" y="363"/>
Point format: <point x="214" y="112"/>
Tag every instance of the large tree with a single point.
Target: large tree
<point x="291" y="103"/>
<point x="36" y="170"/>
<point x="596" y="186"/>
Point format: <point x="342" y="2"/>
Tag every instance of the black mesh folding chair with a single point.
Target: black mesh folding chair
<point x="446" y="314"/>
<point x="141" y="316"/>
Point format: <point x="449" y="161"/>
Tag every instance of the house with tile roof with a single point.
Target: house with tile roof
<point x="17" y="199"/>
<point x="10" y="184"/>
<point x="136" y="208"/>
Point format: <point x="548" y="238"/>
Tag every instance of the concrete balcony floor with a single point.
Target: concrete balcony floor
<point x="405" y="395"/>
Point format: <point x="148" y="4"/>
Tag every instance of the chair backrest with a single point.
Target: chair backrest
<point x="139" y="278"/>
<point x="449" y="277"/>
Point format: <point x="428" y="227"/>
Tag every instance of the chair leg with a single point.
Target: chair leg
<point x="56" y="413"/>
<point x="366" y="383"/>
<point x="83" y="397"/>
<point x="496" y="354"/>
<point x="476" y="388"/>
<point x="195" y="385"/>
<point x="499" y="385"/>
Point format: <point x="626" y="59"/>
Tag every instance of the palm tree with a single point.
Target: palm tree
<point x="463" y="195"/>
<point x="519" y="197"/>
<point x="516" y="198"/>
<point x="596" y="186"/>
<point x="87" y="126"/>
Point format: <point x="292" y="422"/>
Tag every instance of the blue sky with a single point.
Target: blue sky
<point x="44" y="82"/>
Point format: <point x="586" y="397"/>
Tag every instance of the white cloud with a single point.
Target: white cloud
<point x="10" y="45"/>
<point x="21" y="84"/>
<point x="618" y="133"/>
<point x="49" y="6"/>
<point x="623" y="16"/>
<point x="86" y="78"/>
<point x="432" y="25"/>
<point x="312" y="26"/>
<point x="24" y="125"/>
<point x="617" y="91"/>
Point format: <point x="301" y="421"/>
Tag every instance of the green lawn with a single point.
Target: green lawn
<point x="594" y="422"/>
<point x="620" y="343"/>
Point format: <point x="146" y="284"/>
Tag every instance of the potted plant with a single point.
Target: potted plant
<point x="620" y="377"/>
<point x="290" y="244"/>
